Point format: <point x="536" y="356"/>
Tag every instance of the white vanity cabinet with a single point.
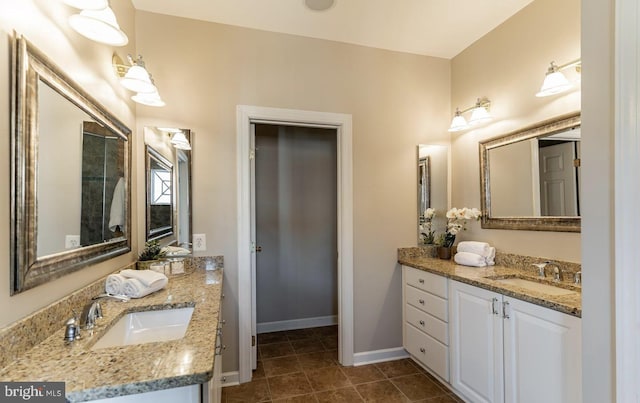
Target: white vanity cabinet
<point x="425" y="315"/>
<point x="507" y="350"/>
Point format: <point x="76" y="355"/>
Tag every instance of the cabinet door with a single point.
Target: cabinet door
<point x="475" y="322"/>
<point x="542" y="350"/>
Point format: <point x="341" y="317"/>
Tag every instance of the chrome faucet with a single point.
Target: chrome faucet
<point x="557" y="271"/>
<point x="541" y="268"/>
<point x="577" y="277"/>
<point x="93" y="311"/>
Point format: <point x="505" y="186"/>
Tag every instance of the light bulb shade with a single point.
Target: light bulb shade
<point x="137" y="80"/>
<point x="554" y="83"/>
<point x="149" y="99"/>
<point x="179" y="140"/>
<point x="458" y="123"/>
<point x="100" y="26"/>
<point x="479" y="114"/>
<point x="87" y="4"/>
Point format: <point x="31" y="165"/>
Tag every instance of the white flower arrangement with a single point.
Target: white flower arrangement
<point x="426" y="232"/>
<point x="456" y="221"/>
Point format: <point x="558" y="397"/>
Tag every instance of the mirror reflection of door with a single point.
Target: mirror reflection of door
<point x="559" y="165"/>
<point x="536" y="177"/>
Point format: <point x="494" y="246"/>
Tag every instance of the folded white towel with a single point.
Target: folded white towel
<point x="479" y="248"/>
<point x="175" y="251"/>
<point x="146" y="277"/>
<point x="113" y="285"/>
<point x="470" y="259"/>
<point x="134" y="288"/>
<point x="491" y="258"/>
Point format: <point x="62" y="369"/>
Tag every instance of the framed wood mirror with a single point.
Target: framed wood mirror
<point x="70" y="186"/>
<point x="530" y="179"/>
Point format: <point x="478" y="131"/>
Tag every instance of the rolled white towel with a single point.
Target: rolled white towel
<point x="491" y="258"/>
<point x="134" y="288"/>
<point x="470" y="259"/>
<point x="113" y="285"/>
<point x="479" y="248"/>
<point x="146" y="277"/>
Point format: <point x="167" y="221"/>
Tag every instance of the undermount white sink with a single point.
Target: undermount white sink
<point x="147" y="327"/>
<point x="535" y="286"/>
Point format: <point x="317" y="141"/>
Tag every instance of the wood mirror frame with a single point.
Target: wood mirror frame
<point x="29" y="68"/>
<point x="541" y="223"/>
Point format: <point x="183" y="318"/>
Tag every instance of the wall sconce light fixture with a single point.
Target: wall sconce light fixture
<point x="479" y="114"/>
<point x="136" y="78"/>
<point x="178" y="139"/>
<point x="555" y="81"/>
<point x="97" y="22"/>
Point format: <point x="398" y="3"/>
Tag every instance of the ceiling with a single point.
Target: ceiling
<point x="441" y="28"/>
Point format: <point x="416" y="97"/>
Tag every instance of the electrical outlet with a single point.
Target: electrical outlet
<point x="71" y="241"/>
<point x="199" y="242"/>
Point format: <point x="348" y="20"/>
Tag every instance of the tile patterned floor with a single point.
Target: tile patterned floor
<point x="302" y="366"/>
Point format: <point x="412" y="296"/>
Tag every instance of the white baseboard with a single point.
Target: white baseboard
<point x="371" y="357"/>
<point x="230" y="378"/>
<point x="268" y="327"/>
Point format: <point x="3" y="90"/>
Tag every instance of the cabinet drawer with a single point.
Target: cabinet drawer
<point x="425" y="281"/>
<point x="431" y="353"/>
<point x="426" y="302"/>
<point x="434" y="327"/>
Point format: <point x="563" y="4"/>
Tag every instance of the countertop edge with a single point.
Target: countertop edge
<point x="151" y="385"/>
<point x="554" y="305"/>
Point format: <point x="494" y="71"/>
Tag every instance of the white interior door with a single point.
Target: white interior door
<point x="558" y="184"/>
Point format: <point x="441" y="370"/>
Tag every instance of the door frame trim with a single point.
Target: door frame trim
<point x="245" y="115"/>
<point x="627" y="194"/>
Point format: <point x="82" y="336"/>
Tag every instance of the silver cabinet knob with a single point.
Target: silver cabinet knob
<point x="422" y="350"/>
<point x="422" y="322"/>
<point x="421" y="281"/>
<point x="421" y="301"/>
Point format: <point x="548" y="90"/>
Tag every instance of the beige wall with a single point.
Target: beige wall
<point x="507" y="65"/>
<point x="203" y="70"/>
<point x="44" y="23"/>
<point x="511" y="180"/>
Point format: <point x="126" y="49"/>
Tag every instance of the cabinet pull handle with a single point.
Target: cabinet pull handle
<point x="421" y="301"/>
<point x="421" y="281"/>
<point x="422" y="350"/>
<point x="494" y="309"/>
<point x="505" y="304"/>
<point x="422" y="322"/>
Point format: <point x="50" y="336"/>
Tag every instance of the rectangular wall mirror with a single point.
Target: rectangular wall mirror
<point x="168" y="186"/>
<point x="70" y="174"/>
<point x="432" y="189"/>
<point x="530" y="179"/>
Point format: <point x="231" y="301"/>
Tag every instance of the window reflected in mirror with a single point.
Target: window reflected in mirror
<point x="159" y="195"/>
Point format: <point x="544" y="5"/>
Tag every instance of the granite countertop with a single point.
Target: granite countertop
<point x="116" y="371"/>
<point x="484" y="277"/>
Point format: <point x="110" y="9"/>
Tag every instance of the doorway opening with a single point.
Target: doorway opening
<point x="248" y="117"/>
<point x="295" y="195"/>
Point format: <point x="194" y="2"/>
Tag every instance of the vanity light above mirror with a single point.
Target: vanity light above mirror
<point x="135" y="77"/>
<point x="479" y="114"/>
